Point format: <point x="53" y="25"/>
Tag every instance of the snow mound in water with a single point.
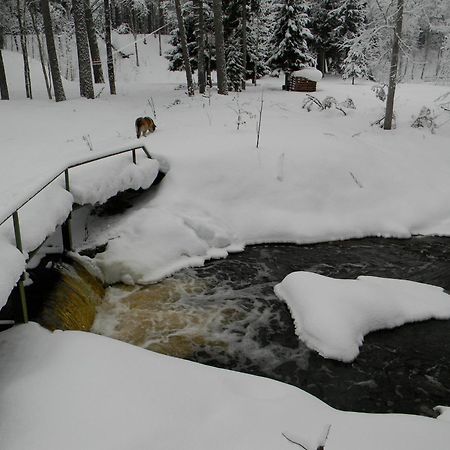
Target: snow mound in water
<point x="332" y="316"/>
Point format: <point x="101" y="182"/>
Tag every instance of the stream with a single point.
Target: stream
<point x="226" y="314"/>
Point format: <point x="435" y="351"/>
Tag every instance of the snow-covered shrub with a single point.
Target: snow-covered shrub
<point x="380" y="92"/>
<point x="328" y="102"/>
<point x="348" y="103"/>
<point x="123" y="28"/>
<point x="425" y="119"/>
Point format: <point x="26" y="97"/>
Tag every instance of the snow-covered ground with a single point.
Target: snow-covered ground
<point x="332" y="316"/>
<point x="74" y="390"/>
<point x="316" y="176"/>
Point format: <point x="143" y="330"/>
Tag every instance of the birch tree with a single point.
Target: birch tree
<point x="394" y="66"/>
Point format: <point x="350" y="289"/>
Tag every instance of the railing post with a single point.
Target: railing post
<point x="23" y="299"/>
<point x="66" y="227"/>
<point x="134" y="156"/>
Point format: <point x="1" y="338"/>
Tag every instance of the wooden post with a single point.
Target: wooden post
<point x="66" y="228"/>
<point x="134" y="156"/>
<point x="23" y="299"/>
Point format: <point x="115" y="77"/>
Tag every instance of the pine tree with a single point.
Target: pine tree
<point x="350" y="16"/>
<point x="290" y="38"/>
<point x="355" y="64"/>
<point x="235" y="68"/>
<point x="323" y="25"/>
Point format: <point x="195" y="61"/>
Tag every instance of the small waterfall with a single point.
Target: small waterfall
<point x="71" y="303"/>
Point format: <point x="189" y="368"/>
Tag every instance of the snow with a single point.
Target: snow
<point x="76" y="390"/>
<point x="310" y="73"/>
<point x="444" y="412"/>
<point x="332" y="315"/>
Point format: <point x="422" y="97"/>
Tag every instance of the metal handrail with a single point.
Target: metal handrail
<point x="41" y="188"/>
<point x="67" y="239"/>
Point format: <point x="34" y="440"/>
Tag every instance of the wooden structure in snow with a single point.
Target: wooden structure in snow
<point x="304" y="80"/>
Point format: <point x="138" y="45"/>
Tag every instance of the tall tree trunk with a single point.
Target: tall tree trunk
<point x="244" y="43"/>
<point x="4" y="94"/>
<point x="394" y="66"/>
<point x="23" y="44"/>
<point x="134" y="26"/>
<point x="51" y="51"/>
<point x="187" y="64"/>
<point x="84" y="63"/>
<point x="427" y="49"/>
<point x="109" y="53"/>
<point x="93" y="46"/>
<point x="160" y="24"/>
<point x="221" y="68"/>
<point x="201" y="48"/>
<point x="41" y="53"/>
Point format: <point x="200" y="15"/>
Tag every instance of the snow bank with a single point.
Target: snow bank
<point x="310" y="73"/>
<point x="332" y="316"/>
<point x="75" y="390"/>
<point x="98" y="181"/>
<point x="444" y="412"/>
<point x="154" y="243"/>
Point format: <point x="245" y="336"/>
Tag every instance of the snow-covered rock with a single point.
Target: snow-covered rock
<point x="332" y="315"/>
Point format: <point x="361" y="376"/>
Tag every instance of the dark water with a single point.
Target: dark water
<point x="406" y="369"/>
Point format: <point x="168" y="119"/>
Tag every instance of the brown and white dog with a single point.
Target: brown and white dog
<point x="144" y="126"/>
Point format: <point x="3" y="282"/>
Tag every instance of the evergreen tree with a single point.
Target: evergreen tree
<point x="350" y="16"/>
<point x="235" y="68"/>
<point x="323" y="25"/>
<point x="290" y="38"/>
<point x="355" y="65"/>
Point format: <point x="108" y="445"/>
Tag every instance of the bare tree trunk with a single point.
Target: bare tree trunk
<point x="41" y="53"/>
<point x="160" y="23"/>
<point x="134" y="26"/>
<point x="4" y="94"/>
<point x="244" y="43"/>
<point x="201" y="48"/>
<point x="51" y="51"/>
<point x="222" y="85"/>
<point x="109" y="54"/>
<point x="394" y="66"/>
<point x="93" y="46"/>
<point x="23" y="43"/>
<point x="84" y="63"/>
<point x="187" y="64"/>
<point x="427" y="49"/>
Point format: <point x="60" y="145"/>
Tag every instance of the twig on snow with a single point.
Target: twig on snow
<point x="294" y="442"/>
<point x="356" y="180"/>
